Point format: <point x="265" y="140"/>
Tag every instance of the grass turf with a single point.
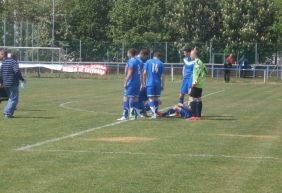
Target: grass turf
<point x="235" y="149"/>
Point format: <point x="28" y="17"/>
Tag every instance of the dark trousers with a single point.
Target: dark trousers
<point x="227" y="75"/>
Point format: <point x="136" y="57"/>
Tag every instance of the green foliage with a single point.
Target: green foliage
<point x="246" y="21"/>
<point x="98" y="23"/>
<point x="137" y="21"/>
<point x="277" y="27"/>
<point x="193" y="21"/>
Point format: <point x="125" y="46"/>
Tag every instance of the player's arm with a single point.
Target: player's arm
<point x="144" y="75"/>
<point x="144" y="78"/>
<point x="196" y="76"/>
<point x="128" y="76"/>
<point x="163" y="81"/>
<point x="163" y="77"/>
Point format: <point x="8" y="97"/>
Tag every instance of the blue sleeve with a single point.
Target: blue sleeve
<point x="130" y="64"/>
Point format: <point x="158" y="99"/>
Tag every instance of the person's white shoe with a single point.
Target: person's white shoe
<point x="123" y="118"/>
<point x="154" y="116"/>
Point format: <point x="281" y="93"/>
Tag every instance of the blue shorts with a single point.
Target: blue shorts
<point x="131" y="92"/>
<point x="143" y="95"/>
<point x="185" y="85"/>
<point x="185" y="113"/>
<point x="154" y="91"/>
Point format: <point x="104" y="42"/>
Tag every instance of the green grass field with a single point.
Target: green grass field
<point x="237" y="148"/>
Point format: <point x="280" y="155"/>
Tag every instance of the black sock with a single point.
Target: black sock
<point x="197" y="109"/>
<point x="200" y="108"/>
<point x="193" y="106"/>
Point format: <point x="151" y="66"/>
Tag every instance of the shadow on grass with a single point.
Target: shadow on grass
<point x="33" y="117"/>
<point x="33" y="110"/>
<point x="219" y="118"/>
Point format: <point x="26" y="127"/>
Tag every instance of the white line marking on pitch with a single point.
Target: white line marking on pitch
<point x="64" y="106"/>
<point x="164" y="154"/>
<point x="29" y="147"/>
<point x="249" y="136"/>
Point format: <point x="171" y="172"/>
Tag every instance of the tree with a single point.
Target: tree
<point x="137" y="21"/>
<point x="277" y="27"/>
<point x="246" y="21"/>
<point x="191" y="21"/>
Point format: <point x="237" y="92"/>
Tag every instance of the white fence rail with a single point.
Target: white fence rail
<point x="174" y="70"/>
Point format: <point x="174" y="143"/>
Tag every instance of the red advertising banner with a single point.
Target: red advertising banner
<point x="90" y="69"/>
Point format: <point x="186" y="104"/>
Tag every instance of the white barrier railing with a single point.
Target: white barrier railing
<point x="216" y="71"/>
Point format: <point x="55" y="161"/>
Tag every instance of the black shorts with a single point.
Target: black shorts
<point x="196" y="92"/>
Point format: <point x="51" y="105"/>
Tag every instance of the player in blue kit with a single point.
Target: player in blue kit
<point x="142" y="57"/>
<point x="132" y="84"/>
<point x="187" y="75"/>
<point x="179" y="110"/>
<point x="153" y="78"/>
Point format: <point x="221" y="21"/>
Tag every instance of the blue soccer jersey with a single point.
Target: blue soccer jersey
<point x="134" y="81"/>
<point x="141" y="63"/>
<point x="154" y="69"/>
<point x="188" y="67"/>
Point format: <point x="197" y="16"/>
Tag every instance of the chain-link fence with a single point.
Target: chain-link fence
<point x="211" y="52"/>
<point x="26" y="34"/>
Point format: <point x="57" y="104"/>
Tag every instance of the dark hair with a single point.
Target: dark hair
<point x="14" y="56"/>
<point x="5" y="52"/>
<point x="187" y="50"/>
<point x="157" y="54"/>
<point x="132" y="51"/>
<point x="144" y="51"/>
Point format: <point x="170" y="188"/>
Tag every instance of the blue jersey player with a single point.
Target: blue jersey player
<point x="153" y="78"/>
<point x="142" y="57"/>
<point x="187" y="75"/>
<point x="132" y="84"/>
<point x="179" y="110"/>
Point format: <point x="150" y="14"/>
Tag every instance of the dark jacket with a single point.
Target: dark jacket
<point x="10" y="73"/>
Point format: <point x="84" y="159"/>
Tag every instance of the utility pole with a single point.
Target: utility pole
<point x="53" y="24"/>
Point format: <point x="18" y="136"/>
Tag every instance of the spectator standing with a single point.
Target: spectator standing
<point x="10" y="76"/>
<point x="243" y="64"/>
<point x="227" y="67"/>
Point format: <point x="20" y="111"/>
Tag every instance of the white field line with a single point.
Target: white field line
<point x="65" y="106"/>
<point x="56" y="139"/>
<point x="163" y="154"/>
<point x="28" y="147"/>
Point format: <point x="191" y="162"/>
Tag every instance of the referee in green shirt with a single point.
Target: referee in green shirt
<point x="198" y="83"/>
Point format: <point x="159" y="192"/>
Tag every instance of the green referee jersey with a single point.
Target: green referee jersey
<point x="199" y="73"/>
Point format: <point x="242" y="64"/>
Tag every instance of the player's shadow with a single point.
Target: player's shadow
<point x="219" y="118"/>
<point x="33" y="117"/>
<point x="33" y="110"/>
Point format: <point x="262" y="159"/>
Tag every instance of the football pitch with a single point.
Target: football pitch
<point x="65" y="139"/>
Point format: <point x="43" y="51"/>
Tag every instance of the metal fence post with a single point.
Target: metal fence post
<point x="80" y="50"/>
<point x="166" y="52"/>
<point x="264" y="76"/>
<point x="267" y="72"/>
<point x="172" y="73"/>
<point x="212" y="73"/>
